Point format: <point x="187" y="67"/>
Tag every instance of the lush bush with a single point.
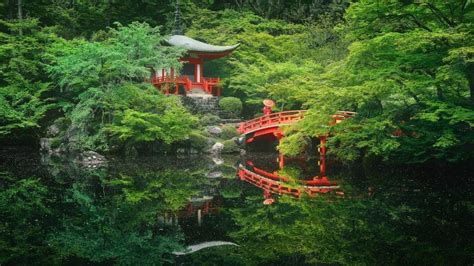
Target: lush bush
<point x="197" y="141"/>
<point x="232" y="106"/>
<point x="230" y="146"/>
<point x="228" y="132"/>
<point x="117" y="107"/>
<point x="209" y="120"/>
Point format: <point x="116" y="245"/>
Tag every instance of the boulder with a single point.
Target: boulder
<point x="45" y="144"/>
<point x="52" y="131"/>
<point x="217" y="148"/>
<point x="214" y="130"/>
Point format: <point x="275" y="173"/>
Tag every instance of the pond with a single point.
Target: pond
<point x="182" y="210"/>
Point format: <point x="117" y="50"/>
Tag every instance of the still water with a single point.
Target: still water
<point x="196" y="210"/>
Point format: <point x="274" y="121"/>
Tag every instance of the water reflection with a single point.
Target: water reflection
<point x="57" y="211"/>
<point x="282" y="183"/>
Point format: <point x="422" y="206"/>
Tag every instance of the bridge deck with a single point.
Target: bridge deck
<point x="271" y="120"/>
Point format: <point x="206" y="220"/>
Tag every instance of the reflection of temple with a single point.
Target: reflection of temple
<point x="199" y="207"/>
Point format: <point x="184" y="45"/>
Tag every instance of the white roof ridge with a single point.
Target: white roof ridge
<point x="191" y="44"/>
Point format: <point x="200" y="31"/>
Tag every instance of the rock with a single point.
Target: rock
<point x="217" y="160"/>
<point x="214" y="130"/>
<point x="193" y="151"/>
<point x="210" y="141"/>
<point x="45" y="144"/>
<point x="90" y="159"/>
<point x="52" y="131"/>
<point x="240" y="141"/>
<point x="214" y="174"/>
<point x="243" y="152"/>
<point x="217" y="148"/>
<point x="181" y="151"/>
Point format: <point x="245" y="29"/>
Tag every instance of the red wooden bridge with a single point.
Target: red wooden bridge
<point x="270" y="124"/>
<point x="282" y="185"/>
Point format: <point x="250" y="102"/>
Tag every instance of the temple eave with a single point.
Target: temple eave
<point x="198" y="47"/>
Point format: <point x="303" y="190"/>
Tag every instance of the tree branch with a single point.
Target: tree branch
<point x="441" y="17"/>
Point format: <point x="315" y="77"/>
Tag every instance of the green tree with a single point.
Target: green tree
<point x="24" y="88"/>
<point x="407" y="71"/>
<point x="108" y="95"/>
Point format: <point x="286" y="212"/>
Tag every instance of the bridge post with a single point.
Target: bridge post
<point x="322" y="154"/>
<point x="281" y="161"/>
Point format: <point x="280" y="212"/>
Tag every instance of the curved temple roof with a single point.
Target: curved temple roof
<point x="197" y="46"/>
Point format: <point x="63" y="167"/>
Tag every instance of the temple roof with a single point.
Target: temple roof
<point x="196" y="46"/>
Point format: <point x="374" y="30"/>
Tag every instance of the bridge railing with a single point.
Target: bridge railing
<point x="271" y="120"/>
<point x="279" y="187"/>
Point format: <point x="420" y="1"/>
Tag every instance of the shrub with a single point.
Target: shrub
<point x="231" y="106"/>
<point x="197" y="141"/>
<point x="208" y="120"/>
<point x="230" y="146"/>
<point x="228" y="132"/>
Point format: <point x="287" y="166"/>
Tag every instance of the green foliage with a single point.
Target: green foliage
<point x="229" y="132"/>
<point x="408" y="70"/>
<point x="209" y="120"/>
<point x="198" y="141"/>
<point x="23" y="88"/>
<point x="110" y="104"/>
<point x="230" y="146"/>
<point x="23" y="208"/>
<point x="231" y="106"/>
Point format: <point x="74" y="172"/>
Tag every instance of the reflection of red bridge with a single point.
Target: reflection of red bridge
<point x="282" y="185"/>
<point x="271" y="123"/>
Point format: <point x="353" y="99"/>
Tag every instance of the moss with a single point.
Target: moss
<point x="230" y="146"/>
<point x="56" y="142"/>
<point x="207" y="120"/>
<point x="228" y="132"/>
<point x="197" y="141"/>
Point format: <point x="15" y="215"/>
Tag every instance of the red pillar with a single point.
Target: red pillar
<point x="177" y="89"/>
<point x="218" y="91"/>
<point x="281" y="161"/>
<point x="322" y="154"/>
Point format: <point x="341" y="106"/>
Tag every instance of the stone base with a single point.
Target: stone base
<point x="202" y="103"/>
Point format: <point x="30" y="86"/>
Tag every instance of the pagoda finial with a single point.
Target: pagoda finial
<point x="178" y="30"/>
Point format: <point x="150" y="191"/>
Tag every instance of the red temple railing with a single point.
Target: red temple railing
<point x="206" y="84"/>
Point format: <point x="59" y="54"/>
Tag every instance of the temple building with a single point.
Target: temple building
<point x="191" y="80"/>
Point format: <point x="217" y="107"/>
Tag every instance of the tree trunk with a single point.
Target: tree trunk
<point x="20" y="15"/>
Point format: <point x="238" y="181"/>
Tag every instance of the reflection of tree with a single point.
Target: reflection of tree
<point x="349" y="231"/>
<point x="114" y="216"/>
<point x="24" y="219"/>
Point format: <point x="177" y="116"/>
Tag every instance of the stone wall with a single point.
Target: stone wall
<point x="202" y="105"/>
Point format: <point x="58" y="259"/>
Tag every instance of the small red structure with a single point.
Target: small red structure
<point x="191" y="79"/>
